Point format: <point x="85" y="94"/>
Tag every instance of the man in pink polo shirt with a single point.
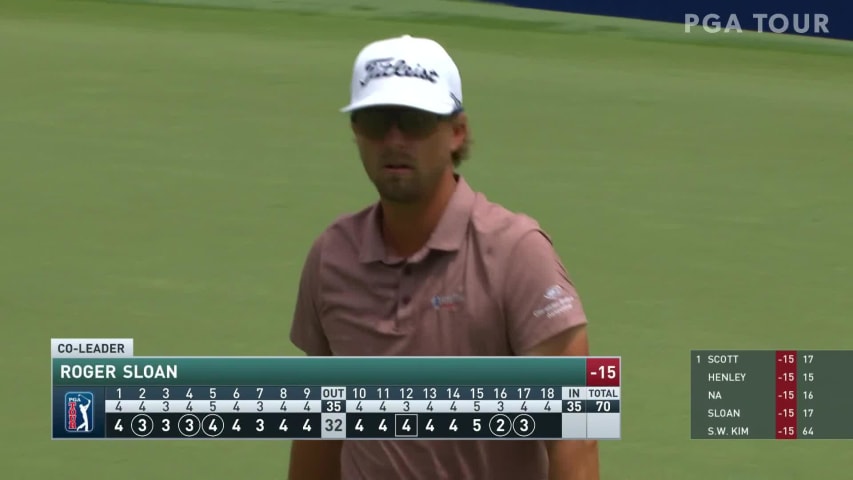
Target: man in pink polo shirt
<point x="433" y="268"/>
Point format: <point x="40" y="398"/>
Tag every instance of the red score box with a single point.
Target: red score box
<point x="603" y="372"/>
<point x="786" y="394"/>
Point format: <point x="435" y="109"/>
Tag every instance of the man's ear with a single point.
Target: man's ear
<point x="459" y="124"/>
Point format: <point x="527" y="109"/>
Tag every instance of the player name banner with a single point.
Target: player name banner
<point x="99" y="393"/>
<point x="771" y="394"/>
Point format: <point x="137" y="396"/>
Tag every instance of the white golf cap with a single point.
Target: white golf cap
<point x="405" y="71"/>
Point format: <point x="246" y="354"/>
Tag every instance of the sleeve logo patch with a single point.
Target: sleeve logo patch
<point x="554" y="292"/>
<point x="559" y="301"/>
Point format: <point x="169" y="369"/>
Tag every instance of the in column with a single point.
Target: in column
<point x="574" y="413"/>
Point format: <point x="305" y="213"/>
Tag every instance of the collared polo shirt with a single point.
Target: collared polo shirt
<point x="487" y="283"/>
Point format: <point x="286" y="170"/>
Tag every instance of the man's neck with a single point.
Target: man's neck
<point x="406" y="228"/>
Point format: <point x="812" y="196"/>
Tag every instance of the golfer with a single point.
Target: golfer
<point x="433" y="268"/>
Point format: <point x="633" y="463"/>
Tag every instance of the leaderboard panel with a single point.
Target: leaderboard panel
<point x="107" y="393"/>
<point x="771" y="394"/>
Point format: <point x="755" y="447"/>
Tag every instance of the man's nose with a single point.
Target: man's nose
<point x="394" y="135"/>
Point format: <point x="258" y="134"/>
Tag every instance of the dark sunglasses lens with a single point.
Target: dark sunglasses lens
<point x="377" y="123"/>
<point x="416" y="124"/>
<point x="373" y="123"/>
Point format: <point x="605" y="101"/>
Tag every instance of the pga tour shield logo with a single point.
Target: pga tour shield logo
<point x="79" y="416"/>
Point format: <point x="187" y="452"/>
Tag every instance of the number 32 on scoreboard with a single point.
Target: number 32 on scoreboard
<point x="334" y="425"/>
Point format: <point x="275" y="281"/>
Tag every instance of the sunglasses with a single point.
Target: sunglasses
<point x="375" y="123"/>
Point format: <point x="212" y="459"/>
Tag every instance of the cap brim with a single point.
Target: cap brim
<point x="443" y="105"/>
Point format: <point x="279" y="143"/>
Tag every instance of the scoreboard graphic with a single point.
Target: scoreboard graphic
<point x="102" y="391"/>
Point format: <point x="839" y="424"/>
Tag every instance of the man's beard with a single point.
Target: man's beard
<point x="405" y="188"/>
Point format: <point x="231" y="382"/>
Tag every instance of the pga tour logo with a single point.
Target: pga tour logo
<point x="810" y="23"/>
<point x="79" y="412"/>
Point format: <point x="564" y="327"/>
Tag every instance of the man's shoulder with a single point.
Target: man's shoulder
<point x="500" y="226"/>
<point x="345" y="230"/>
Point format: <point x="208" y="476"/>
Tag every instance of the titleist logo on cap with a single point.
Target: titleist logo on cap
<point x="387" y="67"/>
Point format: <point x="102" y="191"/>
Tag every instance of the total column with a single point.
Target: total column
<point x="604" y="398"/>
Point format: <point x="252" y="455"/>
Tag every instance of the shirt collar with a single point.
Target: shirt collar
<point x="448" y="235"/>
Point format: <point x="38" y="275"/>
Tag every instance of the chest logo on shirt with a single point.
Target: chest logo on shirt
<point x="447" y="302"/>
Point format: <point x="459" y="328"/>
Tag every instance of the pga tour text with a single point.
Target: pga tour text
<point x="810" y="23"/>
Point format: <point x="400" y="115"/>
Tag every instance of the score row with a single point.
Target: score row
<point x="363" y="426"/>
<point x="366" y="406"/>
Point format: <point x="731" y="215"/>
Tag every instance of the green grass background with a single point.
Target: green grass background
<point x="163" y="170"/>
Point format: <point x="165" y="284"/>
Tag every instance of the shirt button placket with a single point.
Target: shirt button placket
<point x="405" y="291"/>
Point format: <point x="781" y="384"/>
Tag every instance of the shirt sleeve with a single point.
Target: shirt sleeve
<point x="306" y="330"/>
<point x="540" y="300"/>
